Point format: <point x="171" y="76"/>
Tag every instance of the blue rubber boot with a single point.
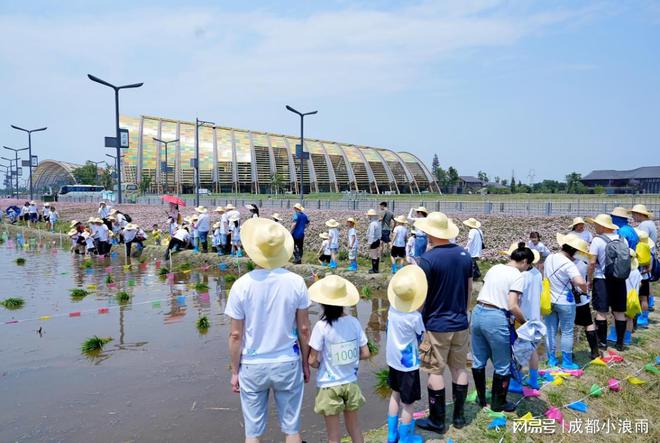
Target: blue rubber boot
<point x="407" y="434"/>
<point x="239" y="253"/>
<point x="333" y="264"/>
<point x="552" y="360"/>
<point x="392" y="428"/>
<point x="651" y="303"/>
<point x="353" y="266"/>
<point x="567" y="361"/>
<point x="394" y="268"/>
<point x="612" y="335"/>
<point x="514" y="386"/>
<point x="533" y="380"/>
<point x="627" y="338"/>
<point x="643" y="320"/>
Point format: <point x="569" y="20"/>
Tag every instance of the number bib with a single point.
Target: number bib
<point x="344" y="353"/>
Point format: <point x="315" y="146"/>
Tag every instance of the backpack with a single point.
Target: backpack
<point x="128" y="217"/>
<point x="617" y="258"/>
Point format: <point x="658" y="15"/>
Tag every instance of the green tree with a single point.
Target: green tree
<point x="276" y="183"/>
<point x="435" y="164"/>
<point x="145" y="184"/>
<point x="574" y="184"/>
<point x="105" y="178"/>
<point x="442" y="178"/>
<point x="86" y="174"/>
<point x="452" y="178"/>
<point x="481" y="175"/>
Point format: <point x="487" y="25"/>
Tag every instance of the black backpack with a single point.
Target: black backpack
<point x="127" y="217"/>
<point x="617" y="258"/>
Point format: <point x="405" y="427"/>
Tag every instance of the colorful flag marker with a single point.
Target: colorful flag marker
<point x="499" y="422"/>
<point x="103" y="310"/>
<point x="598" y="362"/>
<point x="635" y="380"/>
<point x="649" y="367"/>
<point x="579" y="406"/>
<point x="596" y="391"/>
<point x="44" y="317"/>
<point x="614" y="384"/>
<point x="529" y="392"/>
<point x="74" y="314"/>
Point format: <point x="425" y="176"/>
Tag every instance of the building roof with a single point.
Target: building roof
<point x="470" y="179"/>
<point x="611" y="174"/>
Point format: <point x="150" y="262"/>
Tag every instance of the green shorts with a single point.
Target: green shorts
<point x="337" y="399"/>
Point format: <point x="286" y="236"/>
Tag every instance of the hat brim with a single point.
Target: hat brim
<point x="450" y="232"/>
<point x="561" y="240"/>
<point x="248" y="234"/>
<point x="317" y="295"/>
<point x="331" y="225"/>
<point x="421" y="289"/>
<point x="646" y="213"/>
<point x="469" y="224"/>
<point x="593" y="221"/>
<point x="201" y="211"/>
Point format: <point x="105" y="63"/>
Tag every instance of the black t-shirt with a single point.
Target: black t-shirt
<point x="447" y="269"/>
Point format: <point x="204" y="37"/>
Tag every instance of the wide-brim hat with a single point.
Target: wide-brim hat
<point x="131" y="227"/>
<point x="422" y="209"/>
<point x="112" y="218"/>
<point x="216" y="225"/>
<point x="324" y="235"/>
<point x="113" y="211"/>
<point x="201" y="209"/>
<point x="234" y="217"/>
<point x="91" y="219"/>
<point x="98" y="220"/>
<point x="576" y="221"/>
<point x="299" y="207"/>
<point x="229" y="207"/>
<point x="276" y="217"/>
<point x="472" y="223"/>
<point x="401" y="219"/>
<point x="514" y="246"/>
<point x="101" y="203"/>
<point x="334" y="290"/>
<point x="437" y="225"/>
<point x="641" y="209"/>
<point x="604" y="220"/>
<point x="332" y="223"/>
<point x="250" y="206"/>
<point x="46" y="205"/>
<point x="371" y="212"/>
<point x="407" y="289"/>
<point x="620" y="211"/>
<point x="219" y="209"/>
<point x="573" y="241"/>
<point x="72" y="232"/>
<point x="73" y="223"/>
<point x="351" y="220"/>
<point x="33" y="202"/>
<point x="266" y="242"/>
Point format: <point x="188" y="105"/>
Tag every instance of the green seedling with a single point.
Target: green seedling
<point x="12" y="303"/>
<point x="94" y="344"/>
<point x="79" y="293"/>
<point x="123" y="297"/>
<point x="20" y="261"/>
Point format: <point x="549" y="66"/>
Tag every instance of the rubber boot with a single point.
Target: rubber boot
<point x="567" y="361"/>
<point x="436" y="419"/>
<point x="620" y="326"/>
<point x="393" y="268"/>
<point x="643" y="320"/>
<point x="552" y="360"/>
<point x="392" y="428"/>
<point x="458" y="394"/>
<point x="514" y="386"/>
<point x="500" y="388"/>
<point x="407" y="434"/>
<point x="612" y="335"/>
<point x="333" y="264"/>
<point x="239" y="253"/>
<point x="627" y="338"/>
<point x="479" y="376"/>
<point x="533" y="381"/>
<point x="592" y="338"/>
<point x="601" y="331"/>
<point x="651" y="303"/>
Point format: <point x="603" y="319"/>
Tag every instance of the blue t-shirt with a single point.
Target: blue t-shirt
<point x="447" y="269"/>
<point x="628" y="232"/>
<point x="301" y="221"/>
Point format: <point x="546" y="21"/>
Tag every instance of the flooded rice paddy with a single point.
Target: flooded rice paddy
<point x="159" y="379"/>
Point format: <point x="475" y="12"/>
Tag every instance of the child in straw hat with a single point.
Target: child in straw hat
<point x="645" y="255"/>
<point x="410" y="247"/>
<point x="399" y="237"/>
<point x="337" y="345"/>
<point x="405" y="328"/>
<point x="633" y="283"/>
<point x="333" y="241"/>
<point x="325" y="253"/>
<point x="234" y="221"/>
<point x="352" y="244"/>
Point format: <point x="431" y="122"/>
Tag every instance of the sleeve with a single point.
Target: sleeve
<point x="572" y="271"/>
<point x="316" y="339"/>
<point x="363" y="336"/>
<point x="295" y="216"/>
<point x="518" y="283"/>
<point x="234" y="308"/>
<point x="419" y="325"/>
<point x="593" y="247"/>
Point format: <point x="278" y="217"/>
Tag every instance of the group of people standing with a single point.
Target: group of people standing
<point x="29" y="213"/>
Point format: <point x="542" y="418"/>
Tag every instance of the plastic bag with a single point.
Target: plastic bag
<point x="546" y="298"/>
<point x="632" y="304"/>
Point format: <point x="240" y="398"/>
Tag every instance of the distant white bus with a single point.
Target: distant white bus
<point x="82" y="191"/>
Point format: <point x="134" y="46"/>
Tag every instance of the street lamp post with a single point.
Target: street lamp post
<point x="96" y="169"/>
<point x="29" y="133"/>
<point x="8" y="177"/>
<point x="198" y="123"/>
<point x="302" y="147"/>
<point x="117" y="140"/>
<point x="166" y="164"/>
<point x="16" y="159"/>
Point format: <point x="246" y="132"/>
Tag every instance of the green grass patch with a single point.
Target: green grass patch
<point x="381" y="388"/>
<point x="20" y="261"/>
<point x="250" y="265"/>
<point x="79" y="293"/>
<point x="366" y="292"/>
<point x="184" y="267"/>
<point x="87" y="264"/>
<point x="230" y="278"/>
<point x="94" y="344"/>
<point x="123" y="297"/>
<point x="12" y="303"/>
<point x="373" y="348"/>
<point x="163" y="271"/>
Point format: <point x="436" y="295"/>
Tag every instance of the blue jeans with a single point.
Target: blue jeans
<point x="420" y="245"/>
<point x="490" y="339"/>
<point x="203" y="240"/>
<point x="562" y="317"/>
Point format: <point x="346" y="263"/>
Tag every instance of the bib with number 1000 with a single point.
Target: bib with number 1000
<point x="344" y="353"/>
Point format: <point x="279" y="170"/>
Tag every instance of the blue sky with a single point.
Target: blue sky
<point x="487" y="85"/>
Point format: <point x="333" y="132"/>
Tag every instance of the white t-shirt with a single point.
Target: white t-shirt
<point x="530" y="301"/>
<point x="104" y="211"/>
<point x="410" y="247"/>
<point x="634" y="280"/>
<point x="325" y="245"/>
<point x="540" y="248"/>
<point x="597" y="249"/>
<point x="404" y="332"/>
<point x="400" y="233"/>
<point x="203" y="223"/>
<point x="352" y="238"/>
<point x="584" y="235"/>
<point x="498" y="282"/>
<point x="182" y="234"/>
<point x="339" y="349"/>
<point x="650" y="228"/>
<point x="32" y="209"/>
<point x="130" y="234"/>
<point x="474" y="243"/>
<point x="236" y="235"/>
<point x="103" y="233"/>
<point x="333" y="238"/>
<point x="267" y="300"/>
<point x="560" y="270"/>
<point x="374" y="231"/>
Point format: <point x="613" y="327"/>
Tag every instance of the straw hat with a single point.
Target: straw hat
<point x="620" y="212"/>
<point x="219" y="209"/>
<point x="299" y="207"/>
<point x="276" y="217"/>
<point x="234" y="217"/>
<point x="91" y="219"/>
<point x="604" y="220"/>
<point x="422" y="209"/>
<point x="323" y="235"/>
<point x="72" y="232"/>
<point x="101" y="203"/>
<point x="250" y="206"/>
<point x="437" y="225"/>
<point x="644" y="237"/>
<point x="407" y="289"/>
<point x="46" y="205"/>
<point x="472" y="223"/>
<point x="33" y="202"/>
<point x="201" y="209"/>
<point x="332" y="223"/>
<point x="112" y="218"/>
<point x="514" y="246"/>
<point x="371" y="212"/>
<point x="131" y="227"/>
<point x="113" y="211"/>
<point x="350" y="220"/>
<point x="574" y="241"/>
<point x="194" y="217"/>
<point x="229" y="207"/>
<point x="73" y="223"/>
<point x="401" y="219"/>
<point x="576" y="221"/>
<point x="216" y="225"/>
<point x="266" y="242"/>
<point x="641" y="209"/>
<point x="334" y="290"/>
<point x="98" y="221"/>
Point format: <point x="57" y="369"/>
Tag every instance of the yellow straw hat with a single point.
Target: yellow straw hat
<point x="351" y="220"/>
<point x="73" y="223"/>
<point x="604" y="220"/>
<point x="641" y="209"/>
<point x="72" y="232"/>
<point x="334" y="290"/>
<point x="201" y="209"/>
<point x="332" y="223"/>
<point x="422" y="209"/>
<point x="438" y="225"/>
<point x="229" y="207"/>
<point x="407" y="289"/>
<point x="574" y="241"/>
<point x="216" y="225"/>
<point x="276" y="217"/>
<point x="401" y="219"/>
<point x="514" y="246"/>
<point x="131" y="227"/>
<point x="234" y="217"/>
<point x="266" y="242"/>
<point x="472" y="223"/>
<point x="576" y="221"/>
<point x="219" y="209"/>
<point x="620" y="212"/>
<point x="323" y="235"/>
<point x="371" y="212"/>
<point x="299" y="207"/>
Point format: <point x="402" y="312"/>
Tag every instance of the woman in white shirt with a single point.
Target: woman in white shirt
<point x="498" y="300"/>
<point x="399" y="238"/>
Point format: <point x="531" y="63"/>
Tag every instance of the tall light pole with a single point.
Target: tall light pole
<point x="302" y="147"/>
<point x="166" y="164"/>
<point x="16" y="151"/>
<point x="96" y="169"/>
<point x="29" y="133"/>
<point x="198" y="123"/>
<point x="117" y="140"/>
<point x="8" y="178"/>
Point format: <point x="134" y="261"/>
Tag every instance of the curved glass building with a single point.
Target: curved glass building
<point x="240" y="160"/>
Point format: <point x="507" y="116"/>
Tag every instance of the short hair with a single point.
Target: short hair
<point x="383" y="204"/>
<point x="570" y="250"/>
<point x="535" y="234"/>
